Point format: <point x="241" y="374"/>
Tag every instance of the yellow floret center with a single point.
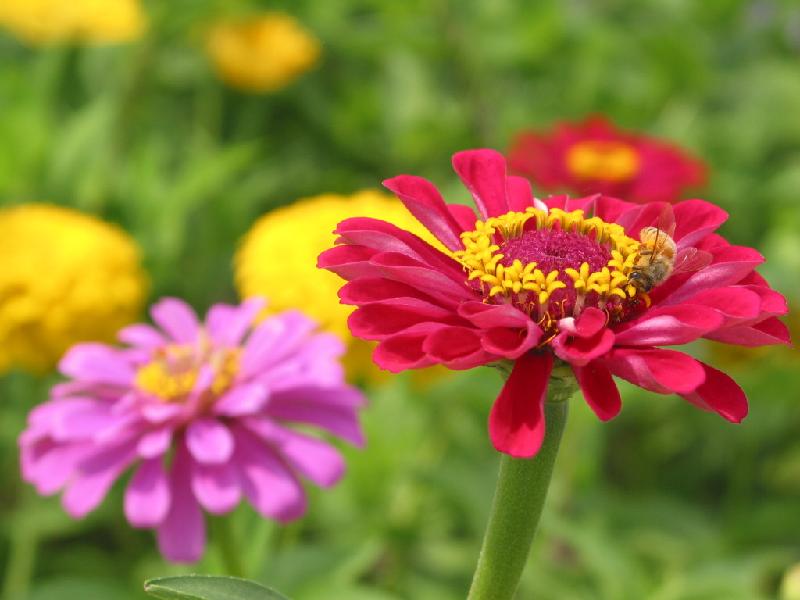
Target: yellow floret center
<point x="524" y="284"/>
<point x="174" y="371"/>
<point x="606" y="160"/>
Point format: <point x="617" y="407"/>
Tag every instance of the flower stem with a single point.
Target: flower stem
<point x="519" y="497"/>
<point x="229" y="551"/>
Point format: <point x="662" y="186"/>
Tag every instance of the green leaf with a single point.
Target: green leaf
<point x="208" y="587"/>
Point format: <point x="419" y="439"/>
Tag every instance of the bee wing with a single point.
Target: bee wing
<point x="690" y="259"/>
<point x="666" y="220"/>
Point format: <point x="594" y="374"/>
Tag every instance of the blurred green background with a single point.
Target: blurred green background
<point x="663" y="503"/>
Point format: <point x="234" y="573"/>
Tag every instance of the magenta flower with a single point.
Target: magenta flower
<point x="202" y="412"/>
<point x="549" y="288"/>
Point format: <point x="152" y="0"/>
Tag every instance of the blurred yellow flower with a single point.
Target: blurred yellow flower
<point x="87" y="21"/>
<point x="66" y="277"/>
<point x="790" y="588"/>
<point x="261" y="54"/>
<point x="278" y="256"/>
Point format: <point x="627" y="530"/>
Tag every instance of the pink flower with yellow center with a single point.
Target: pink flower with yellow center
<point x="202" y="412"/>
<point x="595" y="157"/>
<point x="555" y="292"/>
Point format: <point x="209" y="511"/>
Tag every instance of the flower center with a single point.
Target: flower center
<point x="553" y="264"/>
<point x="173" y="372"/>
<point x="606" y="160"/>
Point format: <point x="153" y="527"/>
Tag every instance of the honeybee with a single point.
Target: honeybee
<point x="659" y="258"/>
<point x="656" y="259"/>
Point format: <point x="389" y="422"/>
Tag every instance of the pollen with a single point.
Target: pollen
<point x="551" y="264"/>
<point x="606" y="160"/>
<point x="173" y="373"/>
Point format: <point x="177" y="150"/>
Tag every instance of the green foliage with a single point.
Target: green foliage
<point x="208" y="587"/>
<point x="664" y="503"/>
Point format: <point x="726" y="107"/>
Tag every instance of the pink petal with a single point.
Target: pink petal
<point x="244" y="399"/>
<point x="423" y="200"/>
<point x="313" y="458"/>
<point x="580" y="351"/>
<point x="381" y="320"/>
<point x="590" y="322"/>
<point x="141" y="336"/>
<point x="670" y="325"/>
<point x="720" y="394"/>
<point x="487" y="316"/>
<point x="464" y="216"/>
<point x="177" y="319"/>
<point x="50" y="466"/>
<point x="511" y="343"/>
<point x="657" y="370"/>
<point x="768" y="332"/>
<point x="695" y="219"/>
<point x="599" y="390"/>
<point x="348" y="262"/>
<point x="456" y="348"/>
<point x="227" y="324"/>
<point x="97" y="363"/>
<point x="209" y="441"/>
<point x="154" y="443"/>
<point x="147" y="496"/>
<point x="333" y="409"/>
<point x="216" y="487"/>
<point x="368" y="290"/>
<point x="95" y="476"/>
<point x="274" y="339"/>
<point x="269" y="486"/>
<point x="516" y="421"/>
<point x="484" y="174"/>
<point x="402" y="352"/>
<point x="433" y="281"/>
<point x="182" y="534"/>
<point x="520" y="195"/>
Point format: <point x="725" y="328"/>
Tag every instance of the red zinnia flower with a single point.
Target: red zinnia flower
<point x="549" y="284"/>
<point x="596" y="157"/>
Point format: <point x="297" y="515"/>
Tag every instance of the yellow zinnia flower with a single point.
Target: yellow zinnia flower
<point x="66" y="277"/>
<point x="263" y="53"/>
<point x="278" y="256"/>
<point x="89" y="21"/>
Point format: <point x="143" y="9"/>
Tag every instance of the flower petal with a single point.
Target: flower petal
<point x="599" y="390"/>
<point x="424" y="201"/>
<point x="313" y="458"/>
<point x="97" y="363"/>
<point x="216" y="487"/>
<point x="227" y="324"/>
<point x="270" y="487"/>
<point x="516" y="421"/>
<point x="670" y="325"/>
<point x="244" y="399"/>
<point x="456" y="347"/>
<point x="177" y="319"/>
<point x="94" y="478"/>
<point x="182" y="533"/>
<point x="720" y="394"/>
<point x="141" y="336"/>
<point x="209" y="441"/>
<point x="484" y="174"/>
<point x="147" y="496"/>
<point x="655" y="369"/>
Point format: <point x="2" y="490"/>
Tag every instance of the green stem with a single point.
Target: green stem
<point x="518" y="500"/>
<point x="20" y="563"/>
<point x="229" y="551"/>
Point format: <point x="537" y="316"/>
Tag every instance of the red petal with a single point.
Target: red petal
<point x="516" y="422"/>
<point x="520" y="195"/>
<point x="721" y="394"/>
<point x="670" y="325"/>
<point x="695" y="219"/>
<point x="655" y="369"/>
<point x="456" y="348"/>
<point x="484" y="174"/>
<point x="401" y="352"/>
<point x="424" y="201"/>
<point x="599" y="390"/>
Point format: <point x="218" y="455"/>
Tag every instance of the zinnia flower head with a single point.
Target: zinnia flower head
<point x="594" y="156"/>
<point x="88" y="21"/>
<point x="67" y="277"/>
<point x="263" y="265"/>
<point x="545" y="288"/>
<point x="203" y="413"/>
<point x="263" y="53"/>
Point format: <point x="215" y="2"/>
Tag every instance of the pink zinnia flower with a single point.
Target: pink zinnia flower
<point x="595" y="157"/>
<point x="534" y="285"/>
<point x="202" y="412"/>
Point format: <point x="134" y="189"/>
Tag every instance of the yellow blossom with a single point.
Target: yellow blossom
<point x="263" y="53"/>
<point x="278" y="257"/>
<point x="87" y="21"/>
<point x="66" y="277"/>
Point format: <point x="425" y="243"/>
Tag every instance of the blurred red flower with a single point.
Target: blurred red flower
<point x="595" y="157"/>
